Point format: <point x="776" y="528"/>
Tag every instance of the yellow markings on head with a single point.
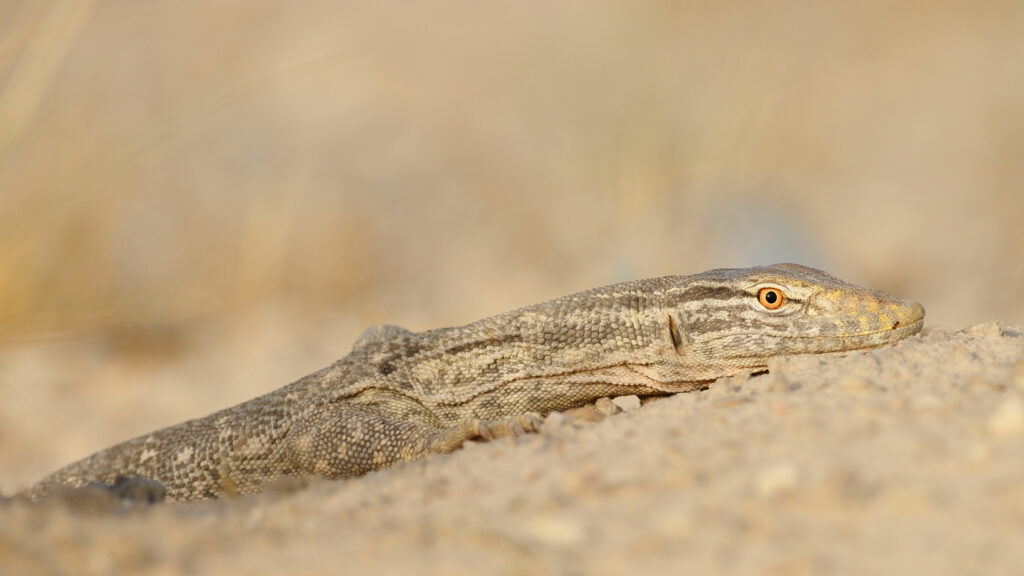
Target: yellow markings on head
<point x="866" y="322"/>
<point x="903" y="313"/>
<point x="840" y="301"/>
<point x="828" y="297"/>
<point x="870" y="304"/>
<point x="886" y="318"/>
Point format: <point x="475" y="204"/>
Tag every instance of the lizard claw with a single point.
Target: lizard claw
<point x="484" y="431"/>
<point x="531" y="421"/>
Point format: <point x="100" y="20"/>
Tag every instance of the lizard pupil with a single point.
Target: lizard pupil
<point x="770" y="297"/>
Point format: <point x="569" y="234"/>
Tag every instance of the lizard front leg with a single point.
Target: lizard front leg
<point x="345" y="440"/>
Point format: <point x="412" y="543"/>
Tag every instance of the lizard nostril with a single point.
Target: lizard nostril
<point x="896" y="325"/>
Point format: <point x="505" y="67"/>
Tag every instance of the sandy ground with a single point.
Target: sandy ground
<point x="902" y="460"/>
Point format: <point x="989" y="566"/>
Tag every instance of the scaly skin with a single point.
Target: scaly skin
<point x="401" y="395"/>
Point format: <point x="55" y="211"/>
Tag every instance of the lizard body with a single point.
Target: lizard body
<point x="401" y="395"/>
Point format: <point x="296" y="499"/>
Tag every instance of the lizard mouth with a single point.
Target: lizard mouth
<point x="841" y="342"/>
<point x="909" y="321"/>
<point x="898" y="329"/>
<point x="868" y="340"/>
<point x="872" y="339"/>
<point x="910" y="327"/>
<point x="901" y="330"/>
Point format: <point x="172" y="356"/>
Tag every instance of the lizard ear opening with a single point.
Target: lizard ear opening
<point x="677" y="338"/>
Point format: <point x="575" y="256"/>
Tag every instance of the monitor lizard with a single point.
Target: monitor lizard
<point x="402" y="395"/>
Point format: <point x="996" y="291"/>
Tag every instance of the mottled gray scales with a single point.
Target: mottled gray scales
<point x="400" y="395"/>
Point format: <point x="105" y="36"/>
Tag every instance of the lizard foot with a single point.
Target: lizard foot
<point x="451" y="438"/>
<point x="512" y="426"/>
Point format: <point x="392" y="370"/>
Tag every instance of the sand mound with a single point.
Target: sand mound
<point x="901" y="460"/>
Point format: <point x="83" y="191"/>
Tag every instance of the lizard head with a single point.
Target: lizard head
<point x="731" y="320"/>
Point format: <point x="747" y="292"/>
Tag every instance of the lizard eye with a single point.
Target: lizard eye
<point x="771" y="298"/>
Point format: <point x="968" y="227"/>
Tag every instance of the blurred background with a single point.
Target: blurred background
<point x="201" y="202"/>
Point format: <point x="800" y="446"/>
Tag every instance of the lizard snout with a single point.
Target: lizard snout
<point x="907" y="313"/>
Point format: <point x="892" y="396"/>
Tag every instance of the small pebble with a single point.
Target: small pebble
<point x="585" y="414"/>
<point x="553" y="421"/>
<point x="627" y="403"/>
<point x="607" y="406"/>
